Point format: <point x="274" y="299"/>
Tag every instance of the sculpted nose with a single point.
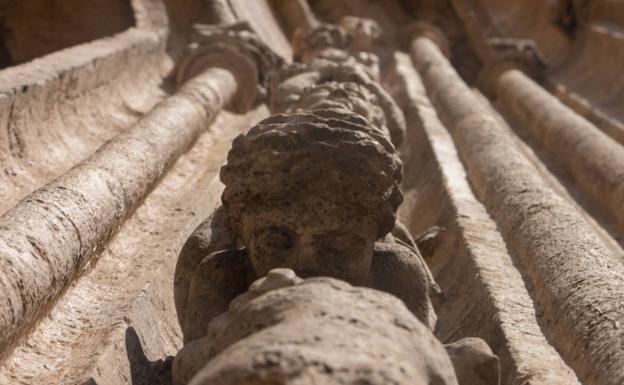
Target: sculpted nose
<point x="304" y="258"/>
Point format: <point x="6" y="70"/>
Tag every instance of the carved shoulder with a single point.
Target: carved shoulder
<point x="210" y="236"/>
<point x="216" y="281"/>
<point x="401" y="271"/>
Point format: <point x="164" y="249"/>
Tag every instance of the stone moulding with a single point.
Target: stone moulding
<point x="129" y="287"/>
<point x="49" y="236"/>
<point x="605" y="121"/>
<point x="495" y="305"/>
<point x="60" y="105"/>
<point x="577" y="283"/>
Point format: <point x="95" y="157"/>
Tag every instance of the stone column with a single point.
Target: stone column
<point x="475" y="271"/>
<point x="49" y="237"/>
<point x="593" y="159"/>
<point x="576" y="282"/>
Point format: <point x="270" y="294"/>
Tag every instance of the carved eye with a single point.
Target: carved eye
<point x="339" y="243"/>
<point x="276" y="238"/>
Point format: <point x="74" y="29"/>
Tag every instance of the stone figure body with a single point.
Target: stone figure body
<point x="314" y="189"/>
<point x="314" y="192"/>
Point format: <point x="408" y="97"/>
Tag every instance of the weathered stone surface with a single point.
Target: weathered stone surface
<point x="483" y="294"/>
<point x="313" y="192"/>
<point x="116" y="324"/>
<point x="54" y="232"/>
<point x="570" y="36"/>
<point x="341" y="152"/>
<point x="291" y="83"/>
<point x="528" y="275"/>
<point x="82" y="209"/>
<point x="321" y="330"/>
<point x="598" y="165"/>
<point x="240" y="51"/>
<point x="58" y="109"/>
<point x="474" y="362"/>
<point x="556" y="248"/>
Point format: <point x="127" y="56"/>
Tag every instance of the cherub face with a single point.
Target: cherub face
<point x="339" y="246"/>
<point x="366" y="33"/>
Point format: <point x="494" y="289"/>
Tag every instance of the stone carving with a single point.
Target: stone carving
<point x="353" y="35"/>
<point x="236" y="48"/>
<point x="106" y="170"/>
<point x="315" y="192"/>
<point x="291" y="83"/>
<point x="285" y="330"/>
<point x="519" y="54"/>
<point x="315" y="189"/>
<point x="338" y="53"/>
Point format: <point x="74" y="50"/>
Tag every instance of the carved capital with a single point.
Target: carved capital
<point x="428" y="30"/>
<point x="521" y="54"/>
<point x="351" y="36"/>
<point x="240" y="51"/>
<point x="309" y="42"/>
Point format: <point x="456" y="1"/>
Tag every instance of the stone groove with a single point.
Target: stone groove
<point x="494" y="305"/>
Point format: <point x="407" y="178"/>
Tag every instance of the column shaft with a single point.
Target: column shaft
<point x="51" y="235"/>
<point x="576" y="283"/>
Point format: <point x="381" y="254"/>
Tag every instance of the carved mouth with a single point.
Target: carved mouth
<point x="309" y="273"/>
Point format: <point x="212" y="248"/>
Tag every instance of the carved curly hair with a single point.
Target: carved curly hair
<point x="331" y="154"/>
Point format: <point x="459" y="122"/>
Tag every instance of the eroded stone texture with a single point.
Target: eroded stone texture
<point x="483" y="292"/>
<point x="292" y="83"/>
<point x="236" y="48"/>
<point x="577" y="282"/>
<point x="321" y="330"/>
<point x="533" y="270"/>
<point x="338" y="53"/>
<point x="55" y="231"/>
<point x="348" y="165"/>
<point x="474" y="362"/>
<point x="316" y="192"/>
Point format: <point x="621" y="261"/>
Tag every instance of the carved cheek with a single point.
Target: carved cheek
<point x="304" y="255"/>
<point x="271" y="248"/>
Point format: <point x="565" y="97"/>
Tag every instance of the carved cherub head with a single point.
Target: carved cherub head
<point x="343" y="95"/>
<point x="352" y="36"/>
<point x="366" y="34"/>
<point x="308" y="43"/>
<point x="312" y="192"/>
